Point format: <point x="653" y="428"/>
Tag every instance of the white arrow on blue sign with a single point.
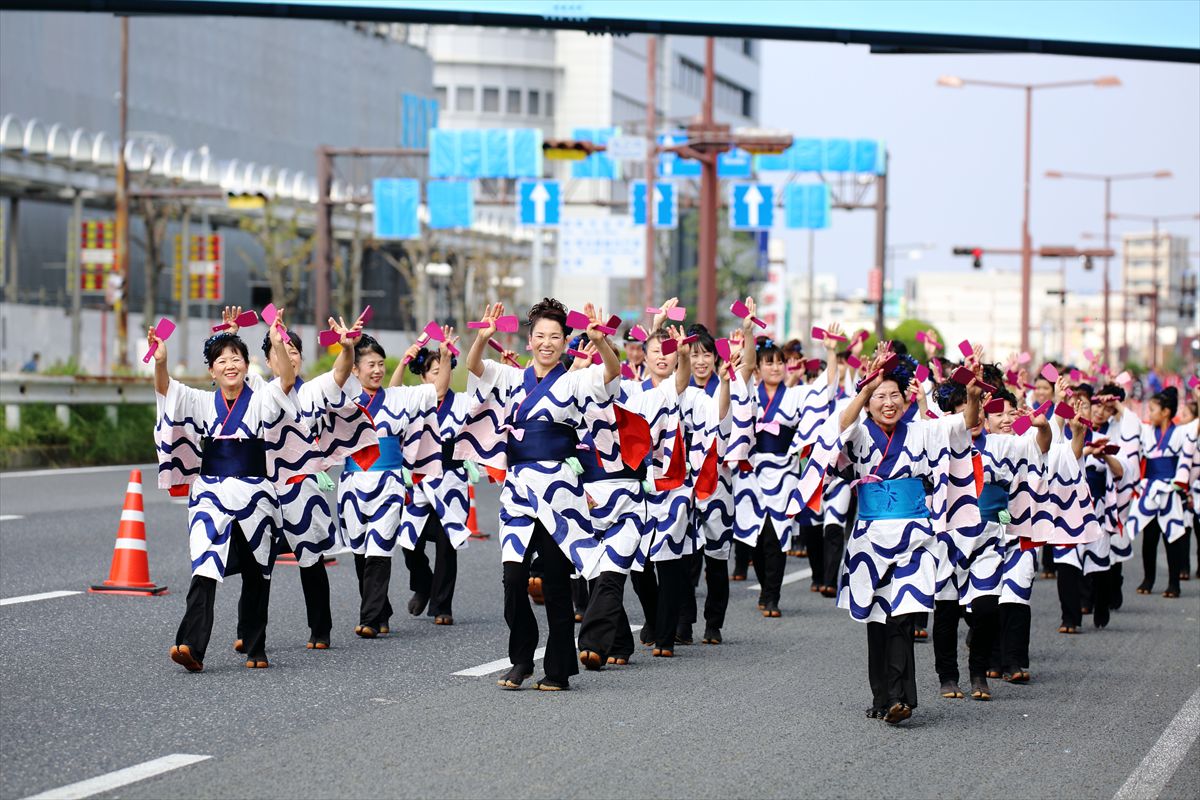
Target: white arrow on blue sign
<point x="752" y="206"/>
<point x="666" y="210"/>
<point x="539" y="203"/>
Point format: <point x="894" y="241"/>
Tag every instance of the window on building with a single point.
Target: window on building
<point x="491" y="99"/>
<point x="549" y="104"/>
<point x="439" y="92"/>
<point x="464" y="98"/>
<point x="512" y="101"/>
<point x="534" y="107"/>
<point x="689" y="77"/>
<point x="748" y="48"/>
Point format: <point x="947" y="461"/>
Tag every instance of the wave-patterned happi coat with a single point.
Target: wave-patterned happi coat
<point x="1064" y="515"/>
<point x="1020" y="568"/>
<point x="442" y="492"/>
<point x="889" y="567"/>
<point x="505" y="400"/>
<point x="1192" y="431"/>
<point x="971" y="559"/>
<point x="1112" y="545"/>
<point x="667" y="533"/>
<point x="188" y="417"/>
<point x="328" y="426"/>
<point x="370" y="502"/>
<point x="714" y="454"/>
<point x="764" y="485"/>
<point x="1167" y="458"/>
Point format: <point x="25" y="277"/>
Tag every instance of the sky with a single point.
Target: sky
<point x="956" y="155"/>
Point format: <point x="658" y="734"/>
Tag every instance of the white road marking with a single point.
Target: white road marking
<point x="54" y="473"/>
<point x="504" y="663"/>
<point x="10" y="517"/>
<point x="1156" y="769"/>
<point x="791" y="577"/>
<point x="122" y="777"/>
<point x="29" y="598"/>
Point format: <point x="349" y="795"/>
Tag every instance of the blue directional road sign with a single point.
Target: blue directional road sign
<point x="451" y="204"/>
<point x="540" y="203"/>
<point x="806" y="205"/>
<point x="670" y="165"/>
<point x="752" y="206"/>
<point x="666" y="210"/>
<point x="396" y="201"/>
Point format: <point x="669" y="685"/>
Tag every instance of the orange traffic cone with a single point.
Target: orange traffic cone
<point x="472" y="523"/>
<point x="130" y="573"/>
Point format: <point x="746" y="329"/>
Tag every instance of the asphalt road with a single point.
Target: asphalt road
<point x="86" y="688"/>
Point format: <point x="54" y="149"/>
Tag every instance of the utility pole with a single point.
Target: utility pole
<point x="121" y="265"/>
<point x="75" y="276"/>
<point x="707" y="312"/>
<point x="881" y="245"/>
<point x="651" y="164"/>
<point x="185" y="287"/>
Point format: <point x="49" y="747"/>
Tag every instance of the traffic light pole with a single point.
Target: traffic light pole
<point x="881" y="246"/>
<point x="707" y="312"/>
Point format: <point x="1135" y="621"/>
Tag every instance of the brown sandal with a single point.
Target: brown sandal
<point x="181" y="654"/>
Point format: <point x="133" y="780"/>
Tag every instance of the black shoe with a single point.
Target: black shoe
<point x="683" y="635"/>
<point x="647" y="636"/>
<point x="950" y="690"/>
<point x="876" y="713"/>
<point x="548" y="684"/>
<point x="416" y="605"/>
<point x="515" y="677"/>
<point x="711" y="635"/>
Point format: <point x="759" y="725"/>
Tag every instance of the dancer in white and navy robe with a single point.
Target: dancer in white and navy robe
<point x="371" y="497"/>
<point x="1158" y="510"/>
<point x="913" y="480"/>
<point x="230" y="447"/>
<point x="1122" y="428"/>
<point x="524" y="422"/>
<point x="439" y="500"/>
<point x="786" y="421"/>
<point x="971" y="560"/>
<point x="329" y="427"/>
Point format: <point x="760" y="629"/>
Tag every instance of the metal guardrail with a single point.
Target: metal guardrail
<point x="18" y="388"/>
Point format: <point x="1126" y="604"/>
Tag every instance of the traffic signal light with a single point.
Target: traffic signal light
<point x="976" y="254"/>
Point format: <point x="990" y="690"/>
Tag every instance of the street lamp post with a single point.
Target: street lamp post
<point x="953" y="82"/>
<point x="1108" y="181"/>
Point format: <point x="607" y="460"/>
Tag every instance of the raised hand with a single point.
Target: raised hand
<point x="449" y="340"/>
<point x="229" y="317"/>
<point x="594" y="318"/>
<point x="491" y="313"/>
<point x="276" y="332"/>
<point x="160" y="351"/>
<point x="661" y="316"/>
<point x="411" y="353"/>
<point x="831" y="344"/>
<point x="748" y="322"/>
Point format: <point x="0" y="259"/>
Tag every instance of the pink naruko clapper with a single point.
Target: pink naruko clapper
<point x="577" y="321"/>
<point x="861" y="336"/>
<point x="722" y="346"/>
<point x="328" y="338"/>
<point x="921" y="336"/>
<point x="1085" y="422"/>
<point x="1076" y="375"/>
<point x="854" y="362"/>
<point x="269" y="315"/>
<point x="573" y="353"/>
<point x="1024" y="358"/>
<point x="795" y="367"/>
<point x="859" y="386"/>
<point x="962" y="376"/>
<point x="1193" y="382"/>
<point x="162" y="330"/>
<point x="639" y="333"/>
<point x="1065" y="411"/>
<point x="669" y="346"/>
<point x="614" y="322"/>
<point x="1021" y="424"/>
<point x="1089" y="355"/>
<point x="1012" y="376"/>
<point x="985" y="386"/>
<point x="813" y="364"/>
<point x="994" y="406"/>
<point x="921" y="373"/>
<point x="1043" y="408"/>
<point x="965" y="348"/>
<point x="675" y="314"/>
<point x="1050" y="373"/>
<point x="690" y="339"/>
<point x="739" y="310"/>
<point x="627" y="372"/>
<point x="246" y="319"/>
<point x="931" y="415"/>
<point x="434" y="331"/>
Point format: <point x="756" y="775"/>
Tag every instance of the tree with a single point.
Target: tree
<point x="156" y="219"/>
<point x="906" y="332"/>
<point x="286" y="252"/>
<point x="347" y="268"/>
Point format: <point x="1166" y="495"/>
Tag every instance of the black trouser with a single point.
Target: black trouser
<point x="196" y="627"/>
<point x="605" y="628"/>
<point x="1048" y="565"/>
<point x="814" y="538"/>
<point x="1010" y="651"/>
<point x="1187" y="555"/>
<point x="314" y="583"/>
<point x="891" y="665"/>
<point x="1069" y="578"/>
<point x="660" y="587"/>
<point x="1102" y="591"/>
<point x="579" y="595"/>
<point x="1086" y="594"/>
<point x="835" y="543"/>
<point x="436" y="584"/>
<point x="561" y="662"/>
<point x="769" y="563"/>
<point x="1116" y="581"/>
<point x="985" y="624"/>
<point x="1176" y="557"/>
<point x="716" y="601"/>
<point x="374" y="575"/>
<point x="741" y="558"/>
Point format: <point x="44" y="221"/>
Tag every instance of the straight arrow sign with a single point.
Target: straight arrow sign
<point x="753" y="198"/>
<point x="540" y="197"/>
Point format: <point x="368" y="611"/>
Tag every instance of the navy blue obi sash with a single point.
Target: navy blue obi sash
<point x="1097" y="481"/>
<point x="898" y="498"/>
<point x="541" y="441"/>
<point x="993" y="499"/>
<point x="1162" y="468"/>
<point x="390" y="457"/>
<point x="775" y="444"/>
<point x="234" y="458"/>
